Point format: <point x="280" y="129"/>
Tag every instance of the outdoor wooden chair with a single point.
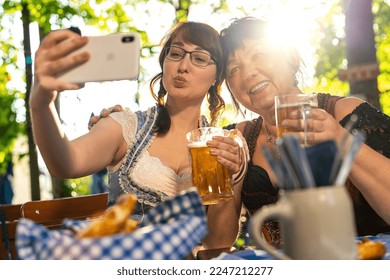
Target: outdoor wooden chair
<point x="10" y="216"/>
<point x="51" y="213"/>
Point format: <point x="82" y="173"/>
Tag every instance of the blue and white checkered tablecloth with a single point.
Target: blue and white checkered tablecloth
<point x="167" y="232"/>
<point x="263" y="255"/>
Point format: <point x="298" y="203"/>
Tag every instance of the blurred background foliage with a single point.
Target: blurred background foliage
<point x="331" y="52"/>
<point x="74" y="187"/>
<point x="114" y="16"/>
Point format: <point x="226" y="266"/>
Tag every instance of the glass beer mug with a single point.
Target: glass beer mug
<point x="209" y="176"/>
<point x="285" y="105"/>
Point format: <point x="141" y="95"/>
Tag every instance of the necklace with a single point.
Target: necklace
<point x="274" y="149"/>
<point x="268" y="136"/>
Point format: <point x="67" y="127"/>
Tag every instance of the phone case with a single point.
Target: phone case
<point x="113" y="57"/>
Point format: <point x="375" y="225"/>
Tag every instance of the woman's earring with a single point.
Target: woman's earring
<point x="295" y="83"/>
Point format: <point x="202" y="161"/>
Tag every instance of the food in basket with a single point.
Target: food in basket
<point x="370" y="250"/>
<point x="115" y="220"/>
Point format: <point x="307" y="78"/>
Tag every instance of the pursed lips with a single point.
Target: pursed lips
<point x="179" y="81"/>
<point x="258" y="87"/>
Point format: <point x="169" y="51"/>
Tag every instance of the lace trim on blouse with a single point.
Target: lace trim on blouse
<point x="140" y="173"/>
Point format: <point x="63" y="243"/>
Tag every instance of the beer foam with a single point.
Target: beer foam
<point x="197" y="145"/>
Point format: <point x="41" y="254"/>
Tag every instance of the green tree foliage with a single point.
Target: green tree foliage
<point x="74" y="187"/>
<point x="330" y="52"/>
<point x="183" y="7"/>
<point x="10" y="127"/>
<point x="381" y="10"/>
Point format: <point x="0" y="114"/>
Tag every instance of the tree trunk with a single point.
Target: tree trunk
<point x="360" y="47"/>
<point x="34" y="168"/>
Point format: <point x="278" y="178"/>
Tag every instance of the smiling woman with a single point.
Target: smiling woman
<point x="256" y="74"/>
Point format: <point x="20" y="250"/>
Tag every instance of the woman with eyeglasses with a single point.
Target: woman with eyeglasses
<point x="145" y="151"/>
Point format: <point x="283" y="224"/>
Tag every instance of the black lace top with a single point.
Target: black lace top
<point x="376" y="125"/>
<point x="259" y="191"/>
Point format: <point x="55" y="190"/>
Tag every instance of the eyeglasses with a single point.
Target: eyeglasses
<point x="198" y="58"/>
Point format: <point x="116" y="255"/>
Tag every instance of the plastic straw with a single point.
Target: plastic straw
<point x="350" y="155"/>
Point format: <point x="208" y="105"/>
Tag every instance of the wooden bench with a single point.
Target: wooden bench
<point x="51" y="213"/>
<point x="11" y="214"/>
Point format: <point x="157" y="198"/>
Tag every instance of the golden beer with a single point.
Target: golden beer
<point x="283" y="112"/>
<point x="286" y="104"/>
<point x="209" y="176"/>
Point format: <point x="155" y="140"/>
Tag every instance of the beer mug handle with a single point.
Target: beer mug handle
<point x="305" y="111"/>
<point x="282" y="210"/>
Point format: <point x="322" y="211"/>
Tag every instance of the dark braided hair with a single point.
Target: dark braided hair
<point x="206" y="37"/>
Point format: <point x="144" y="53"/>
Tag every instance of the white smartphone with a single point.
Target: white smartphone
<point x="112" y="57"/>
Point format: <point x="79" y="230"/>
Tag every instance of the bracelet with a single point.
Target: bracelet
<point x="239" y="176"/>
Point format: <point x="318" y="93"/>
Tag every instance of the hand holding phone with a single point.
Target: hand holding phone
<point x="112" y="57"/>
